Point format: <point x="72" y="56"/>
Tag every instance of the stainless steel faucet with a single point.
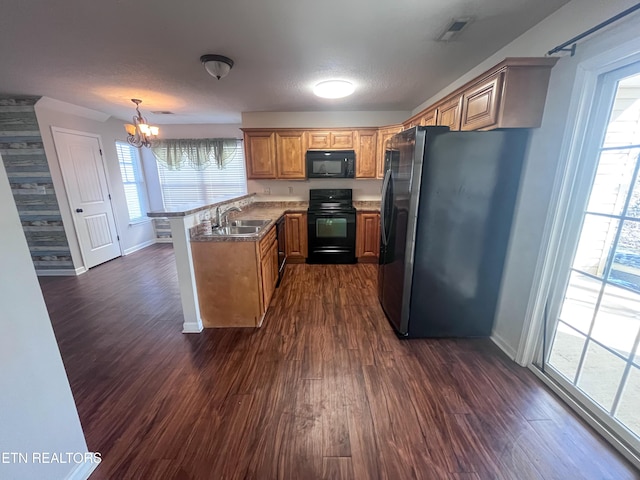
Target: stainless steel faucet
<point x="222" y="216"/>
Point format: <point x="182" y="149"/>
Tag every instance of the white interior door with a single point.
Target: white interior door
<point x="88" y="193"/>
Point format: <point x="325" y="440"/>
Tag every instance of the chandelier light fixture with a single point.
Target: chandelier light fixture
<point x="140" y="132"/>
<point x="217" y="65"/>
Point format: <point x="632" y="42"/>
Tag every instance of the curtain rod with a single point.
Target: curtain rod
<point x="572" y="49"/>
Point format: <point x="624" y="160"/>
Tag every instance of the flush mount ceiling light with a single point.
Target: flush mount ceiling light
<point x="140" y="132"/>
<point x="334" y="89"/>
<point x="217" y="65"/>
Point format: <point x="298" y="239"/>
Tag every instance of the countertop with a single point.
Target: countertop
<point x="259" y="211"/>
<point x="185" y="210"/>
<point x="269" y="211"/>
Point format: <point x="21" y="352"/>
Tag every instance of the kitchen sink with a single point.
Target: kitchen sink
<point x="249" y="223"/>
<point x="235" y="230"/>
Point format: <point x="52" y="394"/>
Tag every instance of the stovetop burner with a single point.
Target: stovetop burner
<point x="330" y="199"/>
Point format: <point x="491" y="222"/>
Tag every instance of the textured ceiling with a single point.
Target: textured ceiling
<point x="101" y="54"/>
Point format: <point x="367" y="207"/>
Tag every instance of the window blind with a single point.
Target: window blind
<point x="188" y="186"/>
<point x="132" y="179"/>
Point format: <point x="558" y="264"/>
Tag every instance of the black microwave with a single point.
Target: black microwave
<point x="331" y="163"/>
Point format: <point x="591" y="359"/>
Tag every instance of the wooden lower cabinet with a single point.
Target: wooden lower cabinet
<point x="367" y="237"/>
<point x="295" y="225"/>
<point x="269" y="273"/>
<point x="235" y="280"/>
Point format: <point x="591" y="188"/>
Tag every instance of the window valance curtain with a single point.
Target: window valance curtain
<point x="196" y="153"/>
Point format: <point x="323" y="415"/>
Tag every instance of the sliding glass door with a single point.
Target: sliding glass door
<point x="594" y="330"/>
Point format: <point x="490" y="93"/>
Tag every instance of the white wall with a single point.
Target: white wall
<point x="37" y="411"/>
<point x="572" y="19"/>
<point x="543" y="155"/>
<point x="334" y="119"/>
<point x="53" y="113"/>
<point x="363" y="189"/>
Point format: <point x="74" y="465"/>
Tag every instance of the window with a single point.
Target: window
<point x="133" y="180"/>
<point x="595" y="349"/>
<point x="188" y="186"/>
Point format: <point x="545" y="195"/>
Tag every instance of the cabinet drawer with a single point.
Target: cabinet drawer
<point x="267" y="240"/>
<point x="480" y="106"/>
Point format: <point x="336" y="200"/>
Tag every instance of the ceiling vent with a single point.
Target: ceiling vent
<point x="162" y="112"/>
<point x="454" y="29"/>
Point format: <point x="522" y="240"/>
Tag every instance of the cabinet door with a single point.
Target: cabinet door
<point x="367" y="237"/>
<point x="366" y="153"/>
<point x="296" y="237"/>
<point x="449" y="113"/>
<point x="384" y="134"/>
<point x="260" y="153"/>
<point x="480" y="105"/>
<point x="318" y="140"/>
<point x="269" y="269"/>
<point x="290" y="151"/>
<point x="429" y="118"/>
<point x="341" y="140"/>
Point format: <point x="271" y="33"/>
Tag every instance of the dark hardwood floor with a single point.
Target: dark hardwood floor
<point x="323" y="390"/>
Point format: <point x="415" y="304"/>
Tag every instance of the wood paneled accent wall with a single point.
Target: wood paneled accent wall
<point x="31" y="184"/>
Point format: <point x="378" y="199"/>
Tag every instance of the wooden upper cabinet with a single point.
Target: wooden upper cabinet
<point x="260" y="154"/>
<point x="384" y="134"/>
<point x="318" y="140"/>
<point x="481" y="104"/>
<point x="330" y="139"/>
<point x="449" y="113"/>
<point x="290" y="154"/>
<point x="366" y="150"/>
<point x="429" y="118"/>
<point x="342" y="140"/>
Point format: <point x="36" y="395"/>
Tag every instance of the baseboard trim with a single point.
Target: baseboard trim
<point x="164" y="240"/>
<point x="503" y="345"/>
<point x="140" y="246"/>
<point x="82" y="471"/>
<point x="191" y="327"/>
<point x="58" y="272"/>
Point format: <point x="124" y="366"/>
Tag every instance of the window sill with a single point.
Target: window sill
<point x="139" y="221"/>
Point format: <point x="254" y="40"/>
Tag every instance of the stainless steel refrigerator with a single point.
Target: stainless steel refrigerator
<point x="447" y="205"/>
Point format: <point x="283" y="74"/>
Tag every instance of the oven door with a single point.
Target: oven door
<point x="331" y="237"/>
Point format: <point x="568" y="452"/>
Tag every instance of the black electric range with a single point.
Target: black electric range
<point x="331" y="226"/>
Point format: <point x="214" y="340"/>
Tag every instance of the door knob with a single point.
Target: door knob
<point x="79" y="210"/>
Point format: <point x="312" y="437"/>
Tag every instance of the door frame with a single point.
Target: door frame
<point x="570" y="183"/>
<point x="54" y="131"/>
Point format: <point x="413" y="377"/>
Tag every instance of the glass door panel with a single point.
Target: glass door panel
<point x="594" y="342"/>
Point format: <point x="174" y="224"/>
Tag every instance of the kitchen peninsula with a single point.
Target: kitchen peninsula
<point x="228" y="281"/>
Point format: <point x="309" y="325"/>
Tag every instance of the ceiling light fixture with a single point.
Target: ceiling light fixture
<point x="217" y="65"/>
<point x="140" y="132"/>
<point x="334" y="89"/>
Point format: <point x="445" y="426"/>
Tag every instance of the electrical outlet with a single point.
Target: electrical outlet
<point x="290" y="190"/>
<point x="41" y="189"/>
<point x="266" y="191"/>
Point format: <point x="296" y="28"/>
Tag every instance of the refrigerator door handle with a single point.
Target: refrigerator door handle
<point x="383" y="220"/>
